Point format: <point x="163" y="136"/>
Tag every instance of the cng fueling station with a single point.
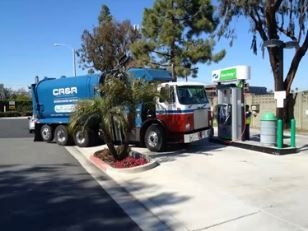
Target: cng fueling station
<point x="230" y="101"/>
<point x="230" y="114"/>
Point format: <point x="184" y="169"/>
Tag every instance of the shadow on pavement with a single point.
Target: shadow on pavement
<point x="44" y="198"/>
<point x="183" y="150"/>
<point x="303" y="148"/>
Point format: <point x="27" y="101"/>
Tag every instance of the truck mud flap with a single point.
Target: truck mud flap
<point x="37" y="133"/>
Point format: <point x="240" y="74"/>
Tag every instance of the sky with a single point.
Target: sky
<point x="29" y="30"/>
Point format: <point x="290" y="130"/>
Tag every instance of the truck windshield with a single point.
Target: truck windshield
<point x="191" y="95"/>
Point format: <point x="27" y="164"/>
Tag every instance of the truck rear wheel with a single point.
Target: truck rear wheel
<point x="82" y="138"/>
<point x="154" y="138"/>
<point x="46" y="133"/>
<point x="62" y="136"/>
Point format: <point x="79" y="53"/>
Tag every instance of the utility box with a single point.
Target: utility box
<point x="255" y="108"/>
<point x="268" y="132"/>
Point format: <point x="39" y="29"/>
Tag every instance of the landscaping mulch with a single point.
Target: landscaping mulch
<point x="128" y="162"/>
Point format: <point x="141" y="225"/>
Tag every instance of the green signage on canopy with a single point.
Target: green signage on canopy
<point x="228" y="74"/>
<point x="231" y="74"/>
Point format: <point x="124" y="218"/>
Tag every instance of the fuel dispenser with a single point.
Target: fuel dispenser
<point x="230" y="101"/>
<point x="230" y="110"/>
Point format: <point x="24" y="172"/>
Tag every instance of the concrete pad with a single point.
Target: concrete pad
<point x="216" y="187"/>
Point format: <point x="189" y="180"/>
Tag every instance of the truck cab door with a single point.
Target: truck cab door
<point x="167" y="100"/>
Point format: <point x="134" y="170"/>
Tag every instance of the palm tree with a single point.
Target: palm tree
<point x="115" y="110"/>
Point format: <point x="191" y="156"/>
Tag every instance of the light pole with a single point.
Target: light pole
<point x="73" y="54"/>
<point x="280" y="45"/>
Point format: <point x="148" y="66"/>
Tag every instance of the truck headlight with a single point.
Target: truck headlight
<point x="187" y="127"/>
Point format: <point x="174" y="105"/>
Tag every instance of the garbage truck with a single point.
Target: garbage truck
<point x="184" y="117"/>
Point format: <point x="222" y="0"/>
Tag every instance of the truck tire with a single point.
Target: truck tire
<point x="62" y="136"/>
<point x="46" y="133"/>
<point x="154" y="138"/>
<point x="82" y="138"/>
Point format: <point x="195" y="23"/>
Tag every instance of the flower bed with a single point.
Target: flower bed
<point x="133" y="160"/>
<point x="129" y="162"/>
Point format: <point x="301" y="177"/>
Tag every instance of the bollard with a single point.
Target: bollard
<point x="279" y="133"/>
<point x="293" y="131"/>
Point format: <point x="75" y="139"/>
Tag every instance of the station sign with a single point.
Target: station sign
<point x="280" y="96"/>
<point x="231" y="74"/>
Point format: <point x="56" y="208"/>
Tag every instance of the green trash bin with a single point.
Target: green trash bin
<point x="268" y="129"/>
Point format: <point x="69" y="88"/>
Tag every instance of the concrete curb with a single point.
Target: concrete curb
<point x="14" y="118"/>
<point x="107" y="168"/>
<point x="256" y="146"/>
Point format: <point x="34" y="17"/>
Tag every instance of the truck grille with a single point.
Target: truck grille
<point x="201" y="118"/>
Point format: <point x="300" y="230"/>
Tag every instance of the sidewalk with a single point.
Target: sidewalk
<point x="215" y="187"/>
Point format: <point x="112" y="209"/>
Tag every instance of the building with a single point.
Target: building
<point x="211" y="90"/>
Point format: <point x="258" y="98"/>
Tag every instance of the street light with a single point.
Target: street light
<point x="73" y="53"/>
<point x="280" y="45"/>
<point x="273" y="43"/>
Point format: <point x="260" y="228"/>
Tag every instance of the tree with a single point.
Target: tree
<point x="174" y="34"/>
<point x="8" y="93"/>
<point x="18" y="95"/>
<point x="115" y="110"/>
<point x="107" y="42"/>
<point x="272" y="21"/>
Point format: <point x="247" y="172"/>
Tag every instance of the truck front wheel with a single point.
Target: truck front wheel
<point x="154" y="138"/>
<point x="61" y="135"/>
<point x="46" y="133"/>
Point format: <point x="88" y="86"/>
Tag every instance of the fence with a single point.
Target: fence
<point x="20" y="107"/>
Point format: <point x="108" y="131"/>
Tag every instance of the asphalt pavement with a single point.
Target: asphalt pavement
<point x="215" y="187"/>
<point x="43" y="188"/>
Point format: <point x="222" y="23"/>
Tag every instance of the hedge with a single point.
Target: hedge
<point x="15" y="114"/>
<point x="22" y="108"/>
